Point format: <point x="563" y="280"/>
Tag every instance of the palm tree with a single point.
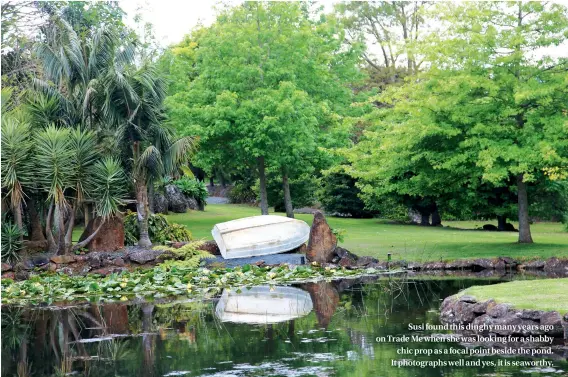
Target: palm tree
<point x="76" y="71"/>
<point x="96" y="83"/>
<point x="70" y="169"/>
<point x="149" y="149"/>
<point x="16" y="169"/>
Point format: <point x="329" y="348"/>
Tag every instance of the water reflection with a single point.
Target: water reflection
<point x="323" y="328"/>
<point x="263" y="305"/>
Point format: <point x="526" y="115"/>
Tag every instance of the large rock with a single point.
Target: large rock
<point x="63" y="259"/>
<point x="459" y="264"/>
<point x="553" y="319"/>
<point x="211" y="247"/>
<point x="177" y="202"/>
<point x="483" y="264"/>
<point x="322" y="241"/>
<point x="498" y="310"/>
<point x="456" y="311"/>
<point x="193" y="205"/>
<point x="160" y="203"/>
<point x="144" y="255"/>
<point x="556" y="265"/>
<point x="109" y="238"/>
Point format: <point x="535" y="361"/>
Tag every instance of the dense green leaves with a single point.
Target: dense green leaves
<point x="160" y="230"/>
<point x="16" y="164"/>
<point x="265" y="85"/>
<point x="172" y="279"/>
<point x="488" y="115"/>
<point x="107" y="178"/>
<point x="193" y="188"/>
<point x="11" y="244"/>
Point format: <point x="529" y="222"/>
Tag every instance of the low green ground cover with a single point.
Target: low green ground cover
<point x="541" y="294"/>
<point x="167" y="279"/>
<point x="376" y="237"/>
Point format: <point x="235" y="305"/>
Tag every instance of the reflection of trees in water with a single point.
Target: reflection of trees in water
<point x="15" y="337"/>
<point x="53" y="339"/>
<point x="148" y="341"/>
<point x="46" y="340"/>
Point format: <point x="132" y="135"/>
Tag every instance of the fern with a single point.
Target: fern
<point x="161" y="231"/>
<point x="187" y="256"/>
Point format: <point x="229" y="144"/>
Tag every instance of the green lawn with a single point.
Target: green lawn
<point x="377" y="237"/>
<point x="548" y="294"/>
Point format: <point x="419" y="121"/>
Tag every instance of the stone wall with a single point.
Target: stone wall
<point x="499" y="317"/>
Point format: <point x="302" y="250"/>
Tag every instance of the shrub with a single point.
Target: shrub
<point x="242" y="192"/>
<point x="193" y="188"/>
<point x="393" y="210"/>
<point x="340" y="195"/>
<point x="159" y="229"/>
<point x="189" y="255"/>
<point x="11" y="244"/>
<point x="160" y="185"/>
<point x="339" y="234"/>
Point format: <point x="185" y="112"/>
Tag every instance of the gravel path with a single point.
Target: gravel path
<point x="217" y="200"/>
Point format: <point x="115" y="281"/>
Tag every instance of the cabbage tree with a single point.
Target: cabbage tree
<point x="16" y="164"/>
<point x="70" y="169"/>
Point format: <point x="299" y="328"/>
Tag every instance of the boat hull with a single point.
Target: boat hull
<point x="263" y="305"/>
<point x="259" y="235"/>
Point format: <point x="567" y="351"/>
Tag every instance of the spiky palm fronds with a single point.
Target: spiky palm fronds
<point x="17" y="170"/>
<point x="54" y="161"/>
<point x="106" y="179"/>
<point x="149" y="164"/>
<point x="79" y="71"/>
<point x="178" y="153"/>
<point x="47" y="107"/>
<point x="85" y="153"/>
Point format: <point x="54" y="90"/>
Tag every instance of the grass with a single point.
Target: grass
<point x="376" y="237"/>
<point x="542" y="294"/>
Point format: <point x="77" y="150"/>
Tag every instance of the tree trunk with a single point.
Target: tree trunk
<point x="425" y="219"/>
<point x="263" y="193"/>
<point x="142" y="209"/>
<point x="151" y="198"/>
<point x="87" y="240"/>
<point x="524" y="226"/>
<point x="211" y="183"/>
<point x="501" y="221"/>
<point x="18" y="217"/>
<point x="60" y="229"/>
<point x="87" y="213"/>
<point x="51" y="245"/>
<point x="36" y="231"/>
<point x="436" y="218"/>
<point x="69" y="231"/>
<point x="287" y="196"/>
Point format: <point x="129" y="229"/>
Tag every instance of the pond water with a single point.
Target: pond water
<point x="313" y="329"/>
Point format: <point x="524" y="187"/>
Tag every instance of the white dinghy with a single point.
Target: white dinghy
<point x="263" y="305"/>
<point x="259" y="235"/>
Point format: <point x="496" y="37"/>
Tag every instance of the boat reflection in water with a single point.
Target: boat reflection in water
<point x="263" y="305"/>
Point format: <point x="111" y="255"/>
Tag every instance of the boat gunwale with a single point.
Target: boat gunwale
<point x="287" y="220"/>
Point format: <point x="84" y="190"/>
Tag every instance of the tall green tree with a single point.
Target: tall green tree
<point x="491" y="109"/>
<point x="392" y="30"/>
<point x="262" y="81"/>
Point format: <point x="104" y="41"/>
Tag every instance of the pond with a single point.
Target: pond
<point x="313" y="329"/>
